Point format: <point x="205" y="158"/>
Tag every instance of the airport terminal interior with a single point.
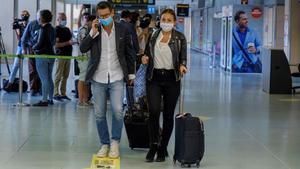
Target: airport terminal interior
<point x="242" y="86"/>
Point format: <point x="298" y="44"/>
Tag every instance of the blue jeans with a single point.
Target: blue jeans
<point x="16" y="66"/>
<point x="115" y="91"/>
<point x="44" y="68"/>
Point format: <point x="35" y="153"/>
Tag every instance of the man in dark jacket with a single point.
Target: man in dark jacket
<point x="125" y="21"/>
<point x="111" y="62"/>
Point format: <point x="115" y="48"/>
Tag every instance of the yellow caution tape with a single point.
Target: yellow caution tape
<point x="44" y="56"/>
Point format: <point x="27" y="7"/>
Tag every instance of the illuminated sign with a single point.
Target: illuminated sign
<point x="183" y="10"/>
<point x="137" y="2"/>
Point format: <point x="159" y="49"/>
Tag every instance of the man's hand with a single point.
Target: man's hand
<point x="182" y="70"/>
<point x="145" y="59"/>
<point x="70" y="42"/>
<point x="130" y="82"/>
<point x="95" y="25"/>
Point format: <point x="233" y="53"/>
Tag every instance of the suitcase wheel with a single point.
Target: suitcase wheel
<point x="198" y="164"/>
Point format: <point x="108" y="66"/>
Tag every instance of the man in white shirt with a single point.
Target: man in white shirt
<point x="111" y="62"/>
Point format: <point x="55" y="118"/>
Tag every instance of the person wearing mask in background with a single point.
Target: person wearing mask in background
<point x="83" y="15"/>
<point x="110" y="64"/>
<point x="83" y="86"/>
<point x="19" y="32"/>
<point x="28" y="40"/>
<point x="144" y="31"/>
<point x="125" y="21"/>
<point x="45" y="46"/>
<point x="64" y="48"/>
<point x="166" y="56"/>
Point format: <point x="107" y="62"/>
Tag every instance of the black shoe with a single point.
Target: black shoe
<point x="34" y="93"/>
<point x="57" y="98"/>
<point x="41" y="104"/>
<point x="166" y="153"/>
<point x="8" y="87"/>
<point x="50" y="102"/>
<point x="65" y="97"/>
<point x="161" y="154"/>
<point x="151" y="153"/>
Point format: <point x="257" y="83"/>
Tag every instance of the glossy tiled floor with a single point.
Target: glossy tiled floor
<point x="247" y="128"/>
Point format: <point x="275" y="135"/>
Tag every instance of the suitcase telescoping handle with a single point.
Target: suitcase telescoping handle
<point x="181" y="98"/>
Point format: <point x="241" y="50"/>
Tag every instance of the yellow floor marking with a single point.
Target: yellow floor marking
<point x="289" y="100"/>
<point x="204" y="118"/>
<point x="104" y="163"/>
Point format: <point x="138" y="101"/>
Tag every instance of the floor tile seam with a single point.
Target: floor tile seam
<point x="20" y="147"/>
<point x="265" y="147"/>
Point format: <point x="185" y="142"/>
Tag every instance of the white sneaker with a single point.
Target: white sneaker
<point x="103" y="151"/>
<point x="114" y="149"/>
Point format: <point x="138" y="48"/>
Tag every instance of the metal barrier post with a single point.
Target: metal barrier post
<point x="20" y="103"/>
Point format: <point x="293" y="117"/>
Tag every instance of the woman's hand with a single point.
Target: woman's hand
<point x="182" y="70"/>
<point x="145" y="59"/>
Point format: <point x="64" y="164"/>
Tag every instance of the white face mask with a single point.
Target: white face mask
<point x="167" y="27"/>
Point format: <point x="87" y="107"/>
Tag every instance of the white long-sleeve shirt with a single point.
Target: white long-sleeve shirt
<point x="109" y="69"/>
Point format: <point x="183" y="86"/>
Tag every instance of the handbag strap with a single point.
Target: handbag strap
<point x="246" y="56"/>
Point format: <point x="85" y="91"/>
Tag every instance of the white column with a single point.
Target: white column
<point x="6" y="20"/>
<point x="291" y="31"/>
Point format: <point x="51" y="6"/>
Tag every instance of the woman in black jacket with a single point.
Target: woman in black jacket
<point x="45" y="46"/>
<point x="166" y="55"/>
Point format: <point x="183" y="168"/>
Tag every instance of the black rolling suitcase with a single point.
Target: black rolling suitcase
<point x="136" y="123"/>
<point x="189" y="138"/>
<point x="15" y="85"/>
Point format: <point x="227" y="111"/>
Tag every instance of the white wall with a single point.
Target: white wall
<point x="60" y="6"/>
<point x="46" y="4"/>
<point x="30" y="6"/>
<point x="6" y="19"/>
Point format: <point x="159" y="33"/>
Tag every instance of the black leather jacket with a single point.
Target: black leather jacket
<point x="178" y="47"/>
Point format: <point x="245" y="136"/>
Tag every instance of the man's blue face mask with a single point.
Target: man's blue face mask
<point x="106" y="21"/>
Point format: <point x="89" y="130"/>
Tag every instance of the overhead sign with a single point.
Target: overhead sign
<point x="151" y="10"/>
<point x="136" y="2"/>
<point x="183" y="10"/>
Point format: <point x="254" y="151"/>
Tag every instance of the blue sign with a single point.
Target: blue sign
<point x="151" y="10"/>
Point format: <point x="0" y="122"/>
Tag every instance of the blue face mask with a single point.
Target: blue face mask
<point x="106" y="21"/>
<point x="63" y="23"/>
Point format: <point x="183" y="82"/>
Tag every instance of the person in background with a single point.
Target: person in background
<point x="246" y="46"/>
<point x="83" y="86"/>
<point x="45" y="46"/>
<point x="166" y="56"/>
<point x="110" y="64"/>
<point x="81" y="20"/>
<point x="19" y="32"/>
<point x="144" y="32"/>
<point x="64" y="48"/>
<point x="28" y="40"/>
<point x="126" y="21"/>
